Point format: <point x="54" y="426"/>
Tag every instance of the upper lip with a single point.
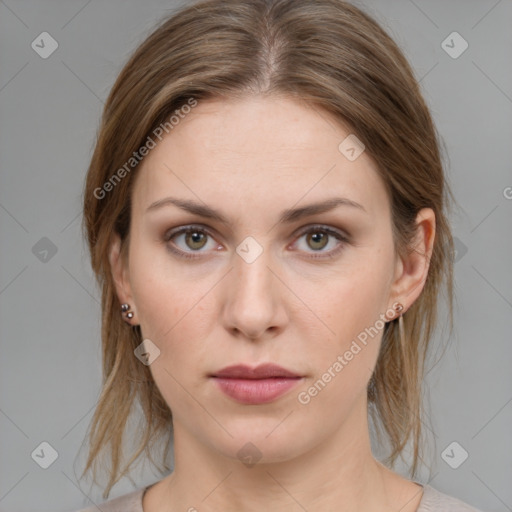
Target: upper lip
<point x="263" y="371"/>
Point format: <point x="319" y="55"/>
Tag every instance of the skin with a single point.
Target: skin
<point x="250" y="159"/>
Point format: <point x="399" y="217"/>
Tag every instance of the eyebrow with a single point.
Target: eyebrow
<point x="287" y="216"/>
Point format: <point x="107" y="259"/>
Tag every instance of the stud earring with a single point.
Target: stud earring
<point x="125" y="308"/>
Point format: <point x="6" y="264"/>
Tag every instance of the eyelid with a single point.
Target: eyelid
<point x="323" y="227"/>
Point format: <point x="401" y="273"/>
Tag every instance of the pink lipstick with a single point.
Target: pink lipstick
<point x="253" y="386"/>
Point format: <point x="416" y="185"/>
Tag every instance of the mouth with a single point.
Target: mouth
<point x="253" y="386"/>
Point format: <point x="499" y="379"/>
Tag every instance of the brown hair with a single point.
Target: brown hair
<point x="326" y="53"/>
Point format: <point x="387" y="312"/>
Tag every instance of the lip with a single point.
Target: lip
<point x="263" y="371"/>
<point x="262" y="384"/>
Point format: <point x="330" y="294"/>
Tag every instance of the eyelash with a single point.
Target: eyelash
<point x="313" y="229"/>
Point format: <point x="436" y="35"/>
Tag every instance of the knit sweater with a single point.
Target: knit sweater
<point x="432" y="500"/>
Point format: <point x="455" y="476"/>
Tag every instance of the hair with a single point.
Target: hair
<point x="330" y="55"/>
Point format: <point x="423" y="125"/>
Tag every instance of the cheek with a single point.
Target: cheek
<point x="175" y="312"/>
<point x="351" y="306"/>
<point x="161" y="297"/>
<point x="342" y="365"/>
<point x="351" y="300"/>
<point x="170" y="314"/>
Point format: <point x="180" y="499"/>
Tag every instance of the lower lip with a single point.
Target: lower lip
<point x="256" y="391"/>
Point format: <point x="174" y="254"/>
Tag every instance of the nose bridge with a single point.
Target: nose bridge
<point x="253" y="305"/>
<point x="253" y="274"/>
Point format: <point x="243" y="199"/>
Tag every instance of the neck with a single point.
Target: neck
<point x="339" y="473"/>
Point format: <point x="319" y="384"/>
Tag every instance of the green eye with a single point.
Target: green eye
<point x="188" y="241"/>
<point x="319" y="237"/>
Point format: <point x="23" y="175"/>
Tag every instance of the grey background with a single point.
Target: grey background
<point x="49" y="310"/>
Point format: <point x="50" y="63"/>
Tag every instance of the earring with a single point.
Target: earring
<point x="399" y="308"/>
<point x="125" y="308"/>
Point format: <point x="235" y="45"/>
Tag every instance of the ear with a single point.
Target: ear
<point x="412" y="269"/>
<point x="119" y="269"/>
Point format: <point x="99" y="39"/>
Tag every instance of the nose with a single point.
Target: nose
<point x="254" y="307"/>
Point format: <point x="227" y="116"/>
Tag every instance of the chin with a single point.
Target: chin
<point x="269" y="442"/>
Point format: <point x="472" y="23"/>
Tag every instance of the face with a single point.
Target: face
<point x="308" y="293"/>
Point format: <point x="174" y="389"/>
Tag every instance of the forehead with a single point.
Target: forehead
<point x="257" y="151"/>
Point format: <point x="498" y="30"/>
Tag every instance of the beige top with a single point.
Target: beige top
<point x="432" y="500"/>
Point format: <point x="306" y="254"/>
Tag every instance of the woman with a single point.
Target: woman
<point x="266" y="212"/>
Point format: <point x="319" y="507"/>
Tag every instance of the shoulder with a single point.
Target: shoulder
<point x="131" y="502"/>
<point x="434" y="500"/>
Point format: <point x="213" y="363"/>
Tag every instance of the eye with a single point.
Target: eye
<point x="318" y="238"/>
<point x="194" y="239"/>
<point x="187" y="240"/>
